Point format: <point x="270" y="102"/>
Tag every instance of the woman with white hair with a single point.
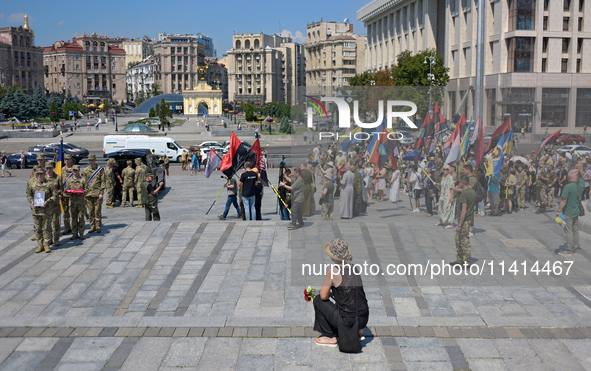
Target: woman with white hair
<point x="447" y="203"/>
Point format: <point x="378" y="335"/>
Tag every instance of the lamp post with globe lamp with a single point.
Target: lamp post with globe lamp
<point x="431" y="78"/>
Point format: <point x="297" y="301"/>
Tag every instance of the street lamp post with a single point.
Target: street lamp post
<point x="430" y="77"/>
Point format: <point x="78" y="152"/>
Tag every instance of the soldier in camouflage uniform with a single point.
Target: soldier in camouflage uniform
<point x="75" y="189"/>
<point x="128" y="175"/>
<point x="40" y="165"/>
<point x="140" y="176"/>
<point x="541" y="188"/>
<point x="109" y="183"/>
<point x="551" y="183"/>
<point x="56" y="211"/>
<point x="166" y="161"/>
<point x="149" y="196"/>
<point x="94" y="176"/>
<point x="522" y="184"/>
<point x="66" y="173"/>
<point x="42" y="214"/>
<point x="465" y="215"/>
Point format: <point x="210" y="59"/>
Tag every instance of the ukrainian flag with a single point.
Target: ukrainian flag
<point x="347" y="140"/>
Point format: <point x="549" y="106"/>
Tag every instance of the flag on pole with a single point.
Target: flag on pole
<point x="465" y="141"/>
<point x="374" y="145"/>
<point x="508" y="146"/>
<point x="549" y="141"/>
<point x="454" y="152"/>
<point x="259" y="163"/>
<point x="504" y="128"/>
<point x="348" y="139"/>
<point x="480" y="144"/>
<point x="59" y="164"/>
<point x="213" y="161"/>
<point x="236" y="157"/>
<point x="500" y="151"/>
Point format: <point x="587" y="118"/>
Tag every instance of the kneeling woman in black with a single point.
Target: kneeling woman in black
<point x="348" y="315"/>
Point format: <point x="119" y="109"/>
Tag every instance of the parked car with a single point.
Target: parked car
<point x="578" y="149"/>
<point x="51" y="150"/>
<point x="123" y="155"/>
<point x="14" y="160"/>
<point x="72" y="147"/>
<point x="210" y="143"/>
<point x="407" y="137"/>
<point x="568" y="139"/>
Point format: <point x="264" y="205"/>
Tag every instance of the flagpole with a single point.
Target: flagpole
<point x="216" y="199"/>
<point x="277" y="193"/>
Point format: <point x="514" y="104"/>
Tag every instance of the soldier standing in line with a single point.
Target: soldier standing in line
<point x="94" y="176"/>
<point x="552" y="180"/>
<point x="149" y="196"/>
<point x="109" y="183"/>
<point x="40" y="188"/>
<point x="66" y="173"/>
<point x="40" y="164"/>
<point x="140" y="176"/>
<point x="75" y="188"/>
<point x="52" y="177"/>
<point x="541" y="187"/>
<point x="465" y="216"/>
<point x="128" y="182"/>
<point x="522" y="183"/>
<point x="166" y="160"/>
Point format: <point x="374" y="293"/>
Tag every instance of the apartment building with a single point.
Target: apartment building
<point x="537" y="56"/>
<point x="265" y="68"/>
<point x="140" y="79"/>
<point x="137" y="50"/>
<point x="88" y="66"/>
<point x="334" y="54"/>
<point x="21" y="62"/>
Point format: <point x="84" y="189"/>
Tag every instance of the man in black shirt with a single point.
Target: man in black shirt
<point x="149" y="195"/>
<point x="248" y="181"/>
<point x="4" y="162"/>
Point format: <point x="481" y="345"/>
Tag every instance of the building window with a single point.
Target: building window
<point x="583" y="107"/>
<point x="581" y="5"/>
<point x="566" y="6"/>
<point x="565" y="23"/>
<point x="546" y="3"/>
<point x="520" y="54"/>
<point x="579" y="45"/>
<point x="580" y="26"/>
<point x="554" y="107"/>
<point x="521" y="14"/>
<point x="564" y="65"/>
<point x="544" y="45"/>
<point x="565" y="44"/>
<point x="544" y="64"/>
<point x="578" y="65"/>
<point x="545" y="23"/>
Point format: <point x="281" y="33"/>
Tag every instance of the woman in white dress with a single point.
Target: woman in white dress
<point x="368" y="180"/>
<point x="395" y="185"/>
<point x="381" y="183"/>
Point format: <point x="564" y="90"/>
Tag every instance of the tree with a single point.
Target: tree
<point x="40" y="104"/>
<point x="297" y="114"/>
<point x="17" y="104"/>
<point x="249" y="112"/>
<point x="55" y="98"/>
<point x="156" y="90"/>
<point x="54" y="114"/>
<point x="152" y="112"/>
<point x="285" y="126"/>
<point x="165" y="110"/>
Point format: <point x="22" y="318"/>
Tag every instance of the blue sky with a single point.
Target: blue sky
<point x="60" y="20"/>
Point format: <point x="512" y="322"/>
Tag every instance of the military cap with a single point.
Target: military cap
<point x="68" y="157"/>
<point x="41" y="156"/>
<point x="149" y="174"/>
<point x="129" y="162"/>
<point x="92" y="156"/>
<point x="76" y="167"/>
<point x="49" y="164"/>
<point x="39" y="170"/>
<point x="138" y="160"/>
<point x="111" y="161"/>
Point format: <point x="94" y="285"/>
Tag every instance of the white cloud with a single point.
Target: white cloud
<point x="299" y="37"/>
<point x="16" y="18"/>
<point x="61" y="23"/>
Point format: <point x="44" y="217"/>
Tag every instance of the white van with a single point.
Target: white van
<point x="160" y="145"/>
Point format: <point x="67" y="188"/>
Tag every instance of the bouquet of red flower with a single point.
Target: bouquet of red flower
<point x="310" y="293"/>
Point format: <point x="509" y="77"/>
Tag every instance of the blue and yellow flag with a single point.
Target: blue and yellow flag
<point x="59" y="164"/>
<point x="348" y="139"/>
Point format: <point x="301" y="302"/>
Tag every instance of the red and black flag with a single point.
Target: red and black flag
<point x="549" y="141"/>
<point x="259" y="162"/>
<point x="423" y="132"/>
<point x="504" y="128"/>
<point x="236" y="157"/>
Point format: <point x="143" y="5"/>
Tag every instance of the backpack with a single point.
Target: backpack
<point x="479" y="191"/>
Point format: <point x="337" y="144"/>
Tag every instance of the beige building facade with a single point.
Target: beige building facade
<point x="265" y="68"/>
<point x="88" y="67"/>
<point x="137" y="50"/>
<point x="537" y="56"/>
<point x="21" y="62"/>
<point x="334" y="54"/>
<point x="176" y="59"/>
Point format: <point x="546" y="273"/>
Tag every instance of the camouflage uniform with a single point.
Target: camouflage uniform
<point x="77" y="205"/>
<point x="55" y="206"/>
<point x="128" y="175"/>
<point x="109" y="183"/>
<point x="66" y="172"/>
<point x="150" y="202"/>
<point x="166" y="160"/>
<point x="40" y="156"/>
<point x="95" y="187"/>
<point x="541" y="189"/>
<point x="521" y="176"/>
<point x="550" y="188"/>
<point x="140" y="176"/>
<point x="463" y="249"/>
<point x="42" y="215"/>
<point x="328" y="204"/>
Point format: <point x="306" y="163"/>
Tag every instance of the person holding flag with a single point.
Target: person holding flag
<point x="232" y="199"/>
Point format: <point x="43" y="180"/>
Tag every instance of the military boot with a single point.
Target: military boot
<point x="67" y="230"/>
<point x="74" y="236"/>
<point x="47" y="249"/>
<point x="92" y="229"/>
<point x="82" y="237"/>
<point x="109" y="206"/>
<point x="56" y="242"/>
<point x="39" y="249"/>
<point x="98" y="229"/>
<point x="34" y="238"/>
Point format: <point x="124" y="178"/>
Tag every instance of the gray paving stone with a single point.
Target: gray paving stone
<point x="220" y="353"/>
<point x="257" y="362"/>
<point x="147" y="354"/>
<point x="184" y="352"/>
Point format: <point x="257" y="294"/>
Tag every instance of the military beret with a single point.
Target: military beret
<point x="92" y="156"/>
<point x="49" y="164"/>
<point x="41" y="156"/>
<point x="39" y="171"/>
<point x="68" y="157"/>
<point x="76" y="167"/>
